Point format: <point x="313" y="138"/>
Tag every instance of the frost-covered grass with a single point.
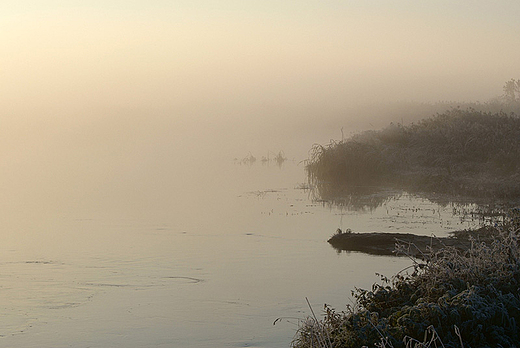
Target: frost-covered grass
<point x="452" y="299"/>
<point x="466" y="152"/>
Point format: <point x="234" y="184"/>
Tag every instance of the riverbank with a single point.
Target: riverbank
<point x="384" y="243"/>
<point x="462" y="290"/>
<point x="452" y="298"/>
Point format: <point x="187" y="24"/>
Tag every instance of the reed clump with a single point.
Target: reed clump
<point x="466" y="152"/>
<point x="452" y="299"/>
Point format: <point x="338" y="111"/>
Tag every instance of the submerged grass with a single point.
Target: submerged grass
<point x="452" y="299"/>
<point x="467" y="152"/>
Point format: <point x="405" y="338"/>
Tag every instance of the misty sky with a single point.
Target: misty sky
<point x="101" y="90"/>
<point x="76" y="54"/>
<point x="113" y="104"/>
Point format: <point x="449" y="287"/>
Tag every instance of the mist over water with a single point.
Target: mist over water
<point x="141" y="230"/>
<point x="126" y="220"/>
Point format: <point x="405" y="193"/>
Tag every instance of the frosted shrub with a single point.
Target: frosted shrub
<point x="471" y="297"/>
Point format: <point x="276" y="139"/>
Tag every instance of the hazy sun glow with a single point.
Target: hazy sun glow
<point x="172" y="55"/>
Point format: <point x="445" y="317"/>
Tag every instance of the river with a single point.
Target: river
<point x="152" y="234"/>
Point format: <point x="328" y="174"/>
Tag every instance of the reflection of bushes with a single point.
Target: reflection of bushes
<point x="473" y="297"/>
<point x="465" y="151"/>
<point x="355" y="199"/>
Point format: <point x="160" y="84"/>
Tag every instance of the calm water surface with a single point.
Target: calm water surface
<point x="179" y="251"/>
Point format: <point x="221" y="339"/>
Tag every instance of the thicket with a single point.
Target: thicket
<point x="466" y="152"/>
<point x="452" y="299"/>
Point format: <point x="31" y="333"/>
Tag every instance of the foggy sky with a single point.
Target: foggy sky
<point x="97" y="95"/>
<point x="68" y="55"/>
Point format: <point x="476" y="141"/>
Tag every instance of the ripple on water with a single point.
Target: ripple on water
<point x="185" y="279"/>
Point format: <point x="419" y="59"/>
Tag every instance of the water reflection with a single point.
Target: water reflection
<point x="203" y="261"/>
<point x="359" y="198"/>
<point x="405" y="210"/>
<point x="366" y="199"/>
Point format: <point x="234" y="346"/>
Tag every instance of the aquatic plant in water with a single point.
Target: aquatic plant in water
<point x="278" y="159"/>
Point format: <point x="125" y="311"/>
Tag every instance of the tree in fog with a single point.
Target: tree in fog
<point x="512" y="91"/>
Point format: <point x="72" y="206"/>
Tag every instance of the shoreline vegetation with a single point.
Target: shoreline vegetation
<point x="460" y="291"/>
<point x="459" y="152"/>
<point x="452" y="298"/>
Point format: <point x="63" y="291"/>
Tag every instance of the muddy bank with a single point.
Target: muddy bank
<point x="381" y="243"/>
